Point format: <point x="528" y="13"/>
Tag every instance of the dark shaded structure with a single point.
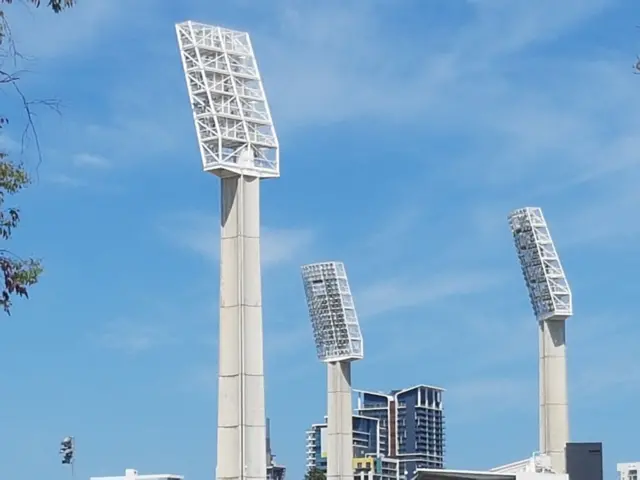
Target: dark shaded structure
<point x="274" y="471"/>
<point x="584" y="461"/>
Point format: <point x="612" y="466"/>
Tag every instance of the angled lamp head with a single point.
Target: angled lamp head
<point x="544" y="276"/>
<point x="336" y="329"/>
<point x="230" y="110"/>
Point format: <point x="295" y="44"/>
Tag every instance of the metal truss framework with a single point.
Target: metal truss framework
<point x="549" y="291"/>
<point x="233" y="122"/>
<point x="333" y="316"/>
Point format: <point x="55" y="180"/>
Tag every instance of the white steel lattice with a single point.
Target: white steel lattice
<point x="548" y="288"/>
<point x="333" y="315"/>
<point x="232" y="118"/>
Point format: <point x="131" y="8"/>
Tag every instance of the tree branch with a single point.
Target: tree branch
<point x="18" y="274"/>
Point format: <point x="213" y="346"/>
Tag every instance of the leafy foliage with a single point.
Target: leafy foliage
<point x="18" y="274"/>
<point x="56" y="5"/>
<point x="315" y="474"/>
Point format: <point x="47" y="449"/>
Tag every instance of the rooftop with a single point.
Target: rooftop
<point x="396" y="392"/>
<point x="437" y="474"/>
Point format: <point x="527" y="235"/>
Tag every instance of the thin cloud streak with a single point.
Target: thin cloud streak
<point x="282" y="349"/>
<point x="133" y="338"/>
<point x="90" y="160"/>
<point x="200" y="233"/>
<point x="350" y="83"/>
<point x="387" y="296"/>
<point x="64" y="180"/>
<point x="72" y="32"/>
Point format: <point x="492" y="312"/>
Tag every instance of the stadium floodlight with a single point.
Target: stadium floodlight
<point x="338" y="343"/>
<point x="68" y="450"/>
<point x="230" y="110"/>
<point x="548" y="288"/>
<point x="237" y="143"/>
<point x="333" y="315"/>
<point x="550" y="297"/>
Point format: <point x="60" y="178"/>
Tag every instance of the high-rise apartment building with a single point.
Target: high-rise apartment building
<point x="411" y="425"/>
<point x="403" y="430"/>
<point x="368" y="463"/>
<point x="628" y="471"/>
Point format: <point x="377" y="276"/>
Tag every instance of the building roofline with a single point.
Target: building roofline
<point x="434" y="473"/>
<point x="314" y="425"/>
<point x="431" y="387"/>
<point x="379" y="394"/>
<point x="324" y="425"/>
<point x="390" y="396"/>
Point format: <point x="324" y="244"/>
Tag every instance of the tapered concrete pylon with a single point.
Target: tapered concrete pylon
<point x="554" y="404"/>
<point x="241" y="402"/>
<point x="339" y="422"/>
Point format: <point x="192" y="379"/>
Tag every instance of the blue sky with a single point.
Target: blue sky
<point x="409" y="129"/>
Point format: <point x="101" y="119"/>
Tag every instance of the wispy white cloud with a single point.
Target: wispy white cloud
<point x="281" y="245"/>
<point x="508" y="27"/>
<point x="344" y="72"/>
<point x="387" y="296"/>
<point x="498" y="372"/>
<point x="595" y="217"/>
<point x="202" y="377"/>
<point x="349" y="80"/>
<point x="200" y="233"/>
<point x="282" y="349"/>
<point x="8" y="144"/>
<point x="395" y="230"/>
<point x="135" y="132"/>
<point x="491" y="395"/>
<point x="603" y="220"/>
<point x="73" y="31"/>
<point x="516" y="125"/>
<point x="90" y="160"/>
<point x="601" y="355"/>
<point x="197" y="232"/>
<point x="133" y="338"/>
<point x="65" y="180"/>
<point x="499" y="393"/>
<point x="473" y="85"/>
<point x="286" y="343"/>
<point x="444" y="87"/>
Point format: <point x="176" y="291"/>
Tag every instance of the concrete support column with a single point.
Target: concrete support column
<point x="554" y="409"/>
<point x="339" y="422"/>
<point x="241" y="404"/>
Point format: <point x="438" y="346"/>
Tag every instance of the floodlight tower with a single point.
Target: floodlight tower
<point x="238" y="144"/>
<point x="338" y="343"/>
<point x="551" y="300"/>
